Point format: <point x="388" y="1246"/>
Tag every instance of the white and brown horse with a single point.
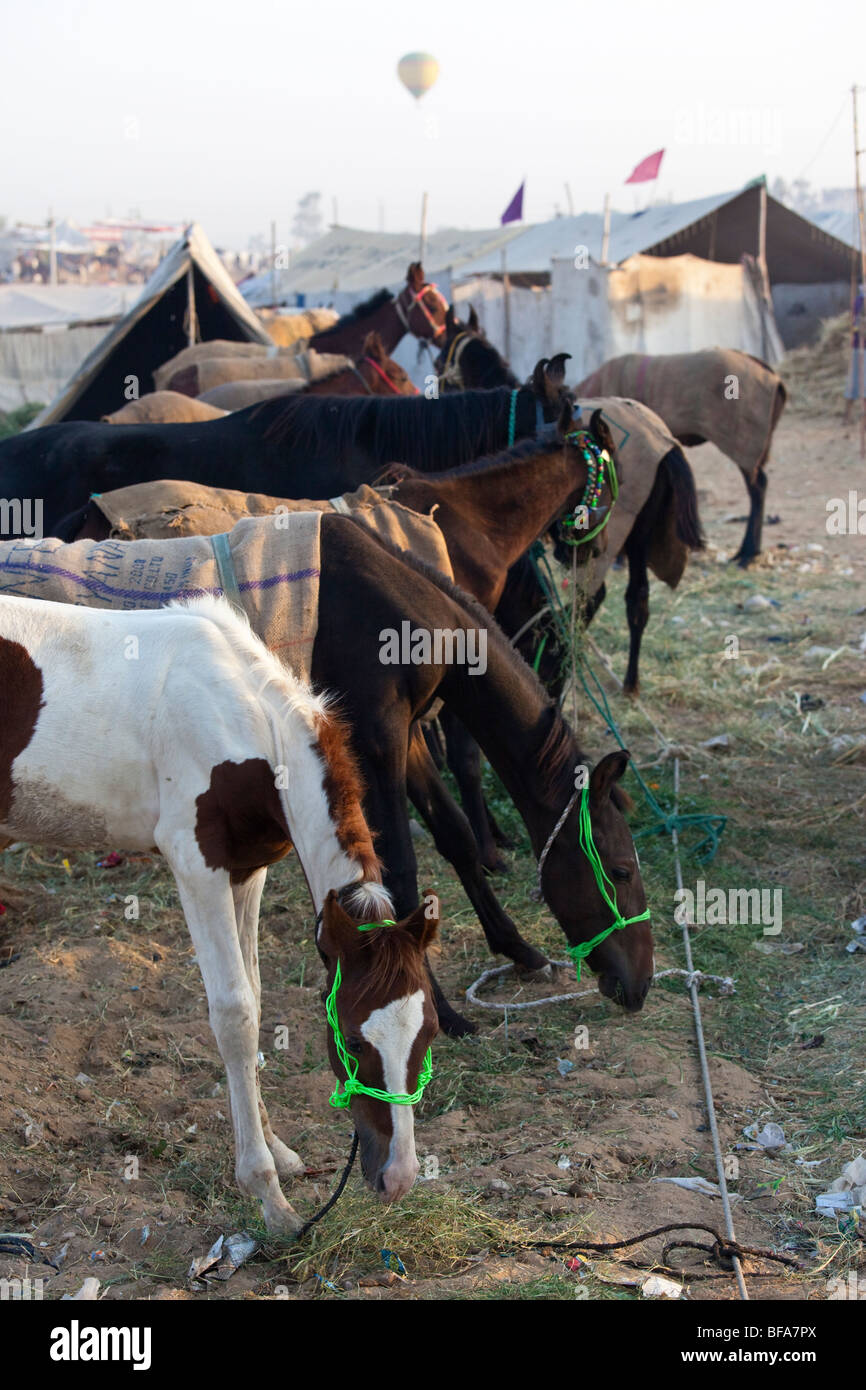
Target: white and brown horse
<point x="177" y="728"/>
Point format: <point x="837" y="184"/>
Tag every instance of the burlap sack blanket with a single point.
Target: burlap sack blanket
<point x="641" y="441"/>
<point x="287" y="329"/>
<point x="237" y="395"/>
<point x="164" y="408"/>
<point x="215" y="371"/>
<point x="688" y="390"/>
<point x="169" y="509"/>
<point x="201" y="352"/>
<point x="277" y="569"/>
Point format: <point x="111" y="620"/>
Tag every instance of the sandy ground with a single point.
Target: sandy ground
<point x="115" y="1146"/>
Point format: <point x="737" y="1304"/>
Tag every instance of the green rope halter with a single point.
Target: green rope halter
<point x="352" y="1086"/>
<point x="597" y="459"/>
<point x="587" y="844"/>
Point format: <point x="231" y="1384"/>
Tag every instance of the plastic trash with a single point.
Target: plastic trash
<point x="657" y="1287"/>
<point x="701" y="1185"/>
<point x="225" y="1256"/>
<point x="563" y="1066"/>
<point x="88" y="1293"/>
<point x="847" y="1192"/>
<point x="771" y="1137"/>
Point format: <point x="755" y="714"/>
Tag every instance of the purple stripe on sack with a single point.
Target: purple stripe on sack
<point x="100" y="588"/>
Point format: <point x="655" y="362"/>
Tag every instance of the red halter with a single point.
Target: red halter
<point x="387" y="380"/>
<point x="416" y="300"/>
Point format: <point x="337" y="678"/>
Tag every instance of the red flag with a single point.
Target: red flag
<point x="647" y="169"/>
<point x="514" y="211"/>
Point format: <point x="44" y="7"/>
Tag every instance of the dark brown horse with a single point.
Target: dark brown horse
<point x="419" y="309"/>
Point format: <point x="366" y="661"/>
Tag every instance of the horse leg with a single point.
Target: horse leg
<point x="454" y="840"/>
<point x="751" y="546"/>
<point x="637" y="609"/>
<point x="382" y="753"/>
<point x="206" y="897"/>
<point x="464" y="760"/>
<point x="247" y="900"/>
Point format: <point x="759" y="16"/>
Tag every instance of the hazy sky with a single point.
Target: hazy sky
<point x="229" y="112"/>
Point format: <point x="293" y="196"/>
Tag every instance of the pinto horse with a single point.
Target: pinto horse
<point x="367" y="588"/>
<point x="209" y="749"/>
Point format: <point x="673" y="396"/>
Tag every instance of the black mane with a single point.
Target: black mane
<point x="461" y="425"/>
<point x="360" y="311"/>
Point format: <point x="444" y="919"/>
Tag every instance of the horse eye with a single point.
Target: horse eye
<point x="622" y="874"/>
<point x="354" y="1044"/>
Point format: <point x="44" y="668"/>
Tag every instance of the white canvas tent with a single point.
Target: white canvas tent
<point x="190" y="297"/>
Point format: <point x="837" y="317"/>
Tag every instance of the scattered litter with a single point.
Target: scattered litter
<point x="563" y="1162"/>
<point x="563" y="1066"/>
<point x="859" y="943"/>
<point x="111" y="861"/>
<point x="707" y="1189"/>
<point x="226" y="1255"/>
<point x="756" y="602"/>
<point x="672" y="1114"/>
<point x="88" y="1293"/>
<point x="717" y="744"/>
<point x="771" y="1137"/>
<point x="657" y="1287"/>
<point x="97" y="1255"/>
<point x="82" y="1079"/>
<point x="392" y="1262"/>
<point x="145" y="1235"/>
<point x="848" y="1191"/>
<point x="578" y="1265"/>
<point x="859" y="926"/>
<point x="326" y="1283"/>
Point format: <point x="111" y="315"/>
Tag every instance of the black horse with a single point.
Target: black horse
<point x="290" y="446"/>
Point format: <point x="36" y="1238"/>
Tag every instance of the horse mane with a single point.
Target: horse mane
<point x="466" y="424"/>
<point x="495" y="370"/>
<point x="392" y="961"/>
<point x="344" y="788"/>
<point x="524" y="449"/>
<point x="360" y="311"/>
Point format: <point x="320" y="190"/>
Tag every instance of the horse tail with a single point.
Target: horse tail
<point x="670" y="519"/>
<point x="681" y="483"/>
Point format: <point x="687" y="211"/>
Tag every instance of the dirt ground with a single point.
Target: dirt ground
<point x="115" y="1143"/>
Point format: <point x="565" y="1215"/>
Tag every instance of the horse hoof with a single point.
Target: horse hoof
<point x="282" y="1220"/>
<point x="458" y="1027"/>
<point x="547" y="971"/>
<point x="495" y="864"/>
<point x="286" y="1161"/>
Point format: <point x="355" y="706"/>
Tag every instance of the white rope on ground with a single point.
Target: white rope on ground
<point x="696" y="977"/>
<point x="702" y="1053"/>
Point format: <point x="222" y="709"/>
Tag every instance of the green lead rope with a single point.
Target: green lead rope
<point x="605" y="887"/>
<point x="712" y="825"/>
<point x="352" y="1086"/>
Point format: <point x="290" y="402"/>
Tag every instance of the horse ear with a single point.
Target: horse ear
<point x="338" y="934"/>
<point x="565" y="423"/>
<point x="605" y="775"/>
<point x="538" y="380"/>
<point x="374" y="347"/>
<point x="450" y="318"/>
<point x="423" y="924"/>
<point x="599" y="427"/>
<point x="555" y="370"/>
<point x="474" y="325"/>
<point x="415" y="275"/>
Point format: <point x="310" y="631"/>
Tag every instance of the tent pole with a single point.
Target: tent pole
<point x="191" y="326"/>
<point x="506" y="285"/>
<point x="762" y="267"/>
<point x="422" y="245"/>
<point x="605" y="235"/>
<point x="860" y="219"/>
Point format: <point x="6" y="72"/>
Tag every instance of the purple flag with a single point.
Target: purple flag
<point x="514" y="211"/>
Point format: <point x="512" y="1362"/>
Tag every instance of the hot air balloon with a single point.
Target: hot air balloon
<point x="418" y="72"/>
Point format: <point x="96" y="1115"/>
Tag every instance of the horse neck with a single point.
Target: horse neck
<point x="350" y="340"/>
<point x="511" y="717"/>
<point x="512" y="501"/>
<point x="342" y="383"/>
<point x="482" y="366"/>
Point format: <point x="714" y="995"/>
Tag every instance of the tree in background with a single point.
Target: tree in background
<point x="308" y="222"/>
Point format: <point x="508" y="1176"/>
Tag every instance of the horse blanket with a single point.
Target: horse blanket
<point x="720" y="395"/>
